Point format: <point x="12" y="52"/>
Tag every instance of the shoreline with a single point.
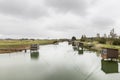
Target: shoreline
<point x="10" y="46"/>
<point x="98" y="47"/>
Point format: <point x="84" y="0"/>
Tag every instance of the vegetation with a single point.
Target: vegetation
<point x="7" y="46"/>
<point x="18" y="43"/>
<point x="102" y="40"/>
<point x="83" y="38"/>
<point x="98" y="42"/>
<point x="116" y="42"/>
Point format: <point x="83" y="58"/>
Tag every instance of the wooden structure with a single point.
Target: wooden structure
<point x="78" y="44"/>
<point x="73" y="43"/>
<point x="109" y="66"/>
<point x="34" y="47"/>
<point x="108" y="53"/>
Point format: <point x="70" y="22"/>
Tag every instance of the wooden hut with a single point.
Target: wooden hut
<point x="80" y="45"/>
<point x="77" y="43"/>
<point x="34" y="47"/>
<point x="73" y="43"/>
<point x="108" y="53"/>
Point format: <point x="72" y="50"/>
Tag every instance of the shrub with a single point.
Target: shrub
<point x="102" y="40"/>
<point x="116" y="42"/>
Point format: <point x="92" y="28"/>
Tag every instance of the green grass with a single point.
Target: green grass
<point x="22" y="43"/>
<point x="111" y="46"/>
<point x="98" y="46"/>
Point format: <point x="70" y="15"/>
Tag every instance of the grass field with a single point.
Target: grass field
<point x="6" y="45"/>
<point x="97" y="46"/>
<point x="16" y="43"/>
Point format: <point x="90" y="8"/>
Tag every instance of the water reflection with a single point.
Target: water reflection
<point x="109" y="66"/>
<point x="75" y="48"/>
<point x="80" y="51"/>
<point x="63" y="74"/>
<point x="34" y="55"/>
<point x="57" y="62"/>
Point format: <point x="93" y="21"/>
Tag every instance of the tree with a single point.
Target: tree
<point x="83" y="37"/>
<point x="112" y="34"/>
<point x="102" y="40"/>
<point x="105" y="35"/>
<point x="98" y="35"/>
<point x="116" y="42"/>
<point x="73" y="38"/>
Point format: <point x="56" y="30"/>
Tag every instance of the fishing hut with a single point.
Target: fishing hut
<point x="78" y="46"/>
<point x="73" y="43"/>
<point x="34" y="47"/>
<point x="108" y="53"/>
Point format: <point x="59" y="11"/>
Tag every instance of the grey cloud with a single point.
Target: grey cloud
<point x="67" y="17"/>
<point x="74" y="6"/>
<point x="22" y="8"/>
<point x="102" y="22"/>
<point x="63" y="27"/>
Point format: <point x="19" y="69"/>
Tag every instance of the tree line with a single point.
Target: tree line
<point x="112" y="38"/>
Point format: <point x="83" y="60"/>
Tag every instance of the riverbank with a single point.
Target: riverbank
<point x="97" y="46"/>
<point x="8" y="46"/>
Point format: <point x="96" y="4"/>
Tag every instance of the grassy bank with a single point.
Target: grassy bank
<point x="97" y="46"/>
<point x="7" y="46"/>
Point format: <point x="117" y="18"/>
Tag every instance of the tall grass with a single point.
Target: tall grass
<point x="22" y="43"/>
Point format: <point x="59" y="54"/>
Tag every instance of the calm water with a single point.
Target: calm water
<point x="57" y="62"/>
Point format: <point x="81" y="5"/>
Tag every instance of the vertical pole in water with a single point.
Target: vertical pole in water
<point x="25" y="50"/>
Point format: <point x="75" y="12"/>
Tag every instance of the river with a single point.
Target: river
<point x="57" y="62"/>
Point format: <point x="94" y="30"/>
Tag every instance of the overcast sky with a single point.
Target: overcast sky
<point x="58" y="18"/>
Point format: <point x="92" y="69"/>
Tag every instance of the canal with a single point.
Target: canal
<point x="57" y="62"/>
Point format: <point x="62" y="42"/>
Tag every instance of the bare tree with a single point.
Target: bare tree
<point x="98" y="35"/>
<point x="112" y="34"/>
<point x="105" y="35"/>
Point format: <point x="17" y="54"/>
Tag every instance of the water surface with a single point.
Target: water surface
<point x="57" y="62"/>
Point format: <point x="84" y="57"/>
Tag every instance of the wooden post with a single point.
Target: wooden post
<point x="25" y="50"/>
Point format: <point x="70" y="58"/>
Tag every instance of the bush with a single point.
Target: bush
<point x="116" y="42"/>
<point x="102" y="40"/>
<point x="83" y="40"/>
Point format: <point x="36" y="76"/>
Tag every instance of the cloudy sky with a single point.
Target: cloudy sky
<point x="58" y="18"/>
